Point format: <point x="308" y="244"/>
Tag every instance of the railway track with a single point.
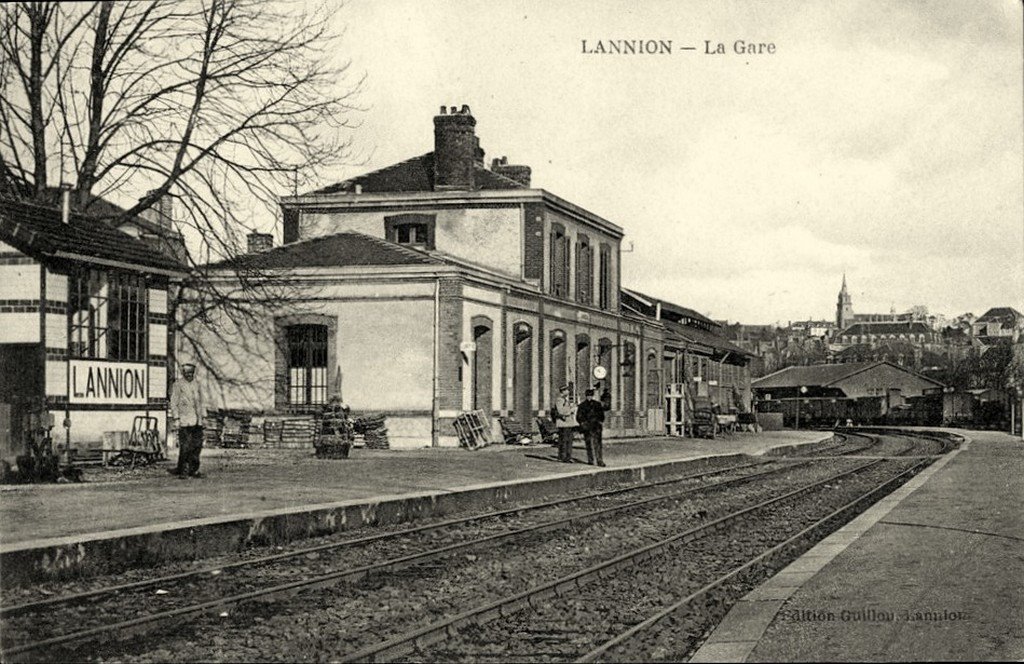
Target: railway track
<point x="494" y="629"/>
<point x="421" y="545"/>
<point x="641" y="638"/>
<point x="209" y="590"/>
<point x="883" y="444"/>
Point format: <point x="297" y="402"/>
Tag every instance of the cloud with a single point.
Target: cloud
<point x="883" y="138"/>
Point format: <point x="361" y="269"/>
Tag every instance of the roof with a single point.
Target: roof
<point x="896" y="346"/>
<point x="415" y="174"/>
<point x="986" y="340"/>
<point x="704" y="337"/>
<point x="651" y="303"/>
<point x="743" y="332"/>
<point x="337" y="250"/>
<point x="904" y="327"/>
<point x="1008" y="316"/>
<point x="38" y="231"/>
<point x="823" y="375"/>
<point x="100" y="208"/>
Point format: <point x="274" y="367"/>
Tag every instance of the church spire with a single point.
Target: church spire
<point x="844" y="307"/>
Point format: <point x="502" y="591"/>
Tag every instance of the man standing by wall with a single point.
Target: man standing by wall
<point x="187" y="410"/>
<point x="565" y="420"/>
<point x="590" y="416"/>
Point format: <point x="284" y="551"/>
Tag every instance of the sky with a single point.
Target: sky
<point x="882" y="139"/>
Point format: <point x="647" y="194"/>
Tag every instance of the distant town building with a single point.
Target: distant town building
<point x="915" y="332"/>
<point x="998" y="323"/>
<point x="813" y="328"/>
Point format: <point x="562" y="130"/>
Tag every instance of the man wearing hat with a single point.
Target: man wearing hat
<point x="564" y="415"/>
<point x="186" y="412"/>
<point x="590" y="416"/>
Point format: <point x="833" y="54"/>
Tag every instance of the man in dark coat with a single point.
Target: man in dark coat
<point x="590" y="416"/>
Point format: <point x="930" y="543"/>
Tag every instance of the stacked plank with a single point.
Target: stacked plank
<point x="334" y="433"/>
<point x="235" y="429"/>
<point x="211" y="429"/>
<point x="227" y="428"/>
<point x="374" y="431"/>
<point x="272" y="432"/>
<point x="297" y="433"/>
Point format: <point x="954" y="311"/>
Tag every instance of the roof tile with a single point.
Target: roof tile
<point x="337" y="250"/>
<point x="415" y="174"/>
<point x="38" y="231"/>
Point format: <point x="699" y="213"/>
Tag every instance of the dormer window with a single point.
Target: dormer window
<point x="412" y="234"/>
<point x="415" y="230"/>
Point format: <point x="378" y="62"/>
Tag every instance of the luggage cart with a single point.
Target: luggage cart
<point x="143" y="446"/>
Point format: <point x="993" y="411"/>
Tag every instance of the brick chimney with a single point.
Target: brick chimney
<point x="519" y="173"/>
<point x="260" y="242"/>
<point x="162" y="211"/>
<point x="456" y="149"/>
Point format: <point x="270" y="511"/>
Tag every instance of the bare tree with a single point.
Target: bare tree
<point x="219" y="105"/>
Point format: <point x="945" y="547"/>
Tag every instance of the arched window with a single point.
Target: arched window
<point x="483" y="365"/>
<point x="558" y="365"/>
<point x="608" y="384"/>
<point x="522" y="374"/>
<point x="629" y="371"/>
<point x="583" y="375"/>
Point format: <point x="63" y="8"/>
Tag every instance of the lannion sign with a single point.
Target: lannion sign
<point x="107" y="382"/>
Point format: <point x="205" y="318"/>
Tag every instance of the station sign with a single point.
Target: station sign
<point x="98" y="382"/>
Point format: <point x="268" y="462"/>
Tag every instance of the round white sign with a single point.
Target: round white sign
<point x="600" y="373"/>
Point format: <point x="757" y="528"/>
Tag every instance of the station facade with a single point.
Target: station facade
<point x="83" y="328"/>
<point x="438" y="285"/>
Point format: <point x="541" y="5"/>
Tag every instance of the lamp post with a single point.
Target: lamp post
<point x="803" y="391"/>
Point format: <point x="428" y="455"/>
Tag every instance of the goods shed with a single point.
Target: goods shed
<point x="823" y="393"/>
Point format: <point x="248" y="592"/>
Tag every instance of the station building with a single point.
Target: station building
<point x="83" y="327"/>
<point x="436" y="286"/>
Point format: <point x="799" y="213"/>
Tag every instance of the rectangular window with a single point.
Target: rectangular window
<point x="584" y="271"/>
<point x="307" y="366"/>
<point x="605" y="278"/>
<point x="559" y="262"/>
<point x="416" y="230"/>
<point x="412" y="234"/>
<point x="107" y="314"/>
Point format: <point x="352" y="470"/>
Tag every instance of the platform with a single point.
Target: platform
<point x="933" y="572"/>
<point x="251" y="497"/>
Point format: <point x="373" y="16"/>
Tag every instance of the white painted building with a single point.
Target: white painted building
<point x="83" y="327"/>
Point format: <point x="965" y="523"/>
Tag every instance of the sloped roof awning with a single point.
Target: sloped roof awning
<point x="39" y="232"/>
<point x="712" y="342"/>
